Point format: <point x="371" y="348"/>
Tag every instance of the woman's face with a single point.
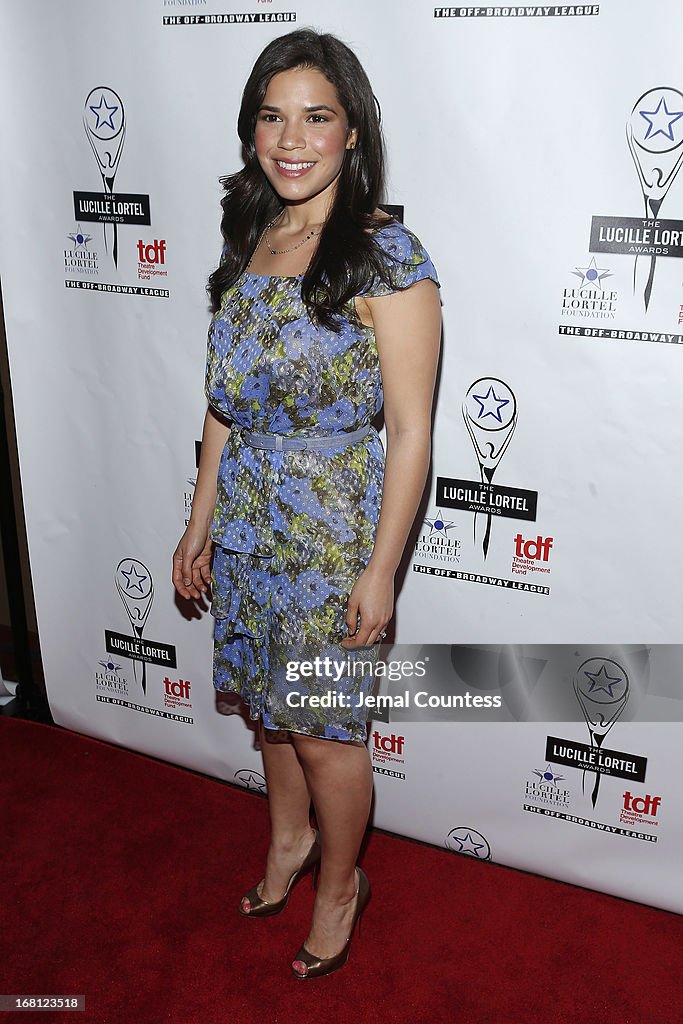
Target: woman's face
<point x="302" y="134"/>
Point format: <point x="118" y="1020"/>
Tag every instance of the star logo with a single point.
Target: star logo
<point x="133" y="579"/>
<point x="602" y="681"/>
<point x="661" y="120"/>
<point x="466" y="844"/>
<point x="251" y="780"/>
<point x="104" y="114"/>
<point x="548" y="777"/>
<point x="490" y="405"/>
<point x="439" y="525"/>
<point x="591" y="276"/>
<point x="110" y="665"/>
<point x="80" y="239"/>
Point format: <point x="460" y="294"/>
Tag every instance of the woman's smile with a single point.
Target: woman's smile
<point x="292" y="169"/>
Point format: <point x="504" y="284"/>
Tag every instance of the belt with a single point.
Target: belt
<point x="285" y="442"/>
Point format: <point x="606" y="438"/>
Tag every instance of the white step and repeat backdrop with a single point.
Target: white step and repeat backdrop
<point x="536" y="151"/>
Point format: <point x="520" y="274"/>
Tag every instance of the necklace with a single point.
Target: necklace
<point x="264" y="234"/>
<point x="281" y="252"/>
<point x="227" y="312"/>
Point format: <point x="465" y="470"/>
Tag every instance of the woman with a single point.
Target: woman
<point x="323" y="305"/>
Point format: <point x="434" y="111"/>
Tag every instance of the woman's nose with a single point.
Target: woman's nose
<point x="291" y="136"/>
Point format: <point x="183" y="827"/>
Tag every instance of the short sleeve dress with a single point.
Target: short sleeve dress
<point x="293" y="530"/>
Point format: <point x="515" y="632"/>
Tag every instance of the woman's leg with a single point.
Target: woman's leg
<point x="289" y="803"/>
<point x="339" y="778"/>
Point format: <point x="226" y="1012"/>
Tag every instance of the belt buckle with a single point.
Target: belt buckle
<point x="295" y="444"/>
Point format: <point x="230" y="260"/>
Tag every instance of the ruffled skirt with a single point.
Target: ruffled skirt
<point x="292" y="532"/>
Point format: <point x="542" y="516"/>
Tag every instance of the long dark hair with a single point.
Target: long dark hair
<point x="347" y="256"/>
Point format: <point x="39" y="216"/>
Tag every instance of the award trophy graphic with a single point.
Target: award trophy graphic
<point x="655" y="137"/>
<point x="105" y="127"/>
<point x="602" y="689"/>
<point x="136" y="590"/>
<point x="490" y="413"/>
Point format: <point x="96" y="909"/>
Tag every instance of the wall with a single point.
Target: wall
<point x="526" y="146"/>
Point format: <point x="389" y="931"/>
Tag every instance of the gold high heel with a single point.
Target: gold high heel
<point x="314" y="966"/>
<point x="259" y="907"/>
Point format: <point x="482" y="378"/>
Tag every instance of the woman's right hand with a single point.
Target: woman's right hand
<point x="192" y="562"/>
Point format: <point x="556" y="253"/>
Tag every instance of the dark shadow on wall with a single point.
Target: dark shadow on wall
<point x="20" y="659"/>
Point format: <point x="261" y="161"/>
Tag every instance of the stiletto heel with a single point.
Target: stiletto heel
<point x="258" y="907"/>
<point x="316" y="871"/>
<point x="306" y="965"/>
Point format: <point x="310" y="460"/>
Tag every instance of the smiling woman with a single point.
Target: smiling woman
<point x="302" y="134"/>
<point x="325" y="311"/>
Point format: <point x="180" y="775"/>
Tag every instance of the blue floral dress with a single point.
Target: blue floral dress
<point x="293" y="530"/>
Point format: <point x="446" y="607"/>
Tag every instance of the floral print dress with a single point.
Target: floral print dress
<point x="293" y="530"/>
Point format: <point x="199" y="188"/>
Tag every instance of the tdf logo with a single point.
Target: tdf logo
<point x="153" y="253"/>
<point x="642" y="804"/>
<point x="389" y="744"/>
<point x="180" y="689"/>
<point x="538" y="549"/>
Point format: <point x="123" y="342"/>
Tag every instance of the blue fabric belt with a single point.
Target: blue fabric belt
<point x="284" y="442"/>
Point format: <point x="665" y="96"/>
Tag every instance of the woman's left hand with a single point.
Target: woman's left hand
<point x="373" y="597"/>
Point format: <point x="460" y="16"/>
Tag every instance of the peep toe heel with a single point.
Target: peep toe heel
<point x="306" y="965"/>
<point x="256" y="906"/>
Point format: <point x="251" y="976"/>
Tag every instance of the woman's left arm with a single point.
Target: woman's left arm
<point x="407" y="328"/>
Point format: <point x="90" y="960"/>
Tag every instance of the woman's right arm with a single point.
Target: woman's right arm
<point x="192" y="557"/>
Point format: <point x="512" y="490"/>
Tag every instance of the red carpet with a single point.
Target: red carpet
<point x="121" y="876"/>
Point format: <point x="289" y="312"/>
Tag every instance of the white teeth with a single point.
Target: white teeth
<point x="293" y="167"/>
